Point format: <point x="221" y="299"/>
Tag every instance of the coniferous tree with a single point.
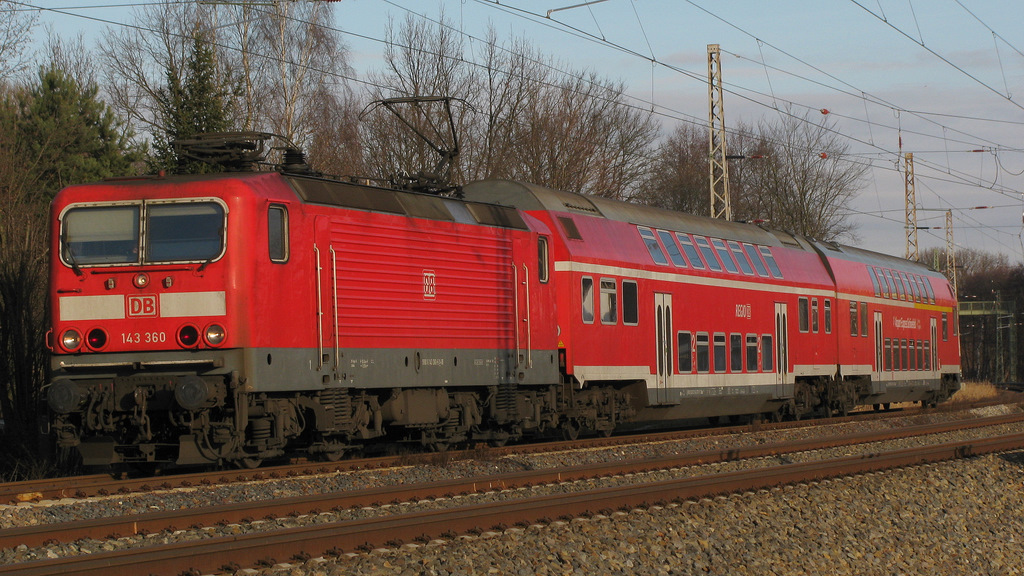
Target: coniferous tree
<point x="196" y="101"/>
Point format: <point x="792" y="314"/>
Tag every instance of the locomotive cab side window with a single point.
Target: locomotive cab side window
<point x="543" y="264"/>
<point x="277" y="233"/>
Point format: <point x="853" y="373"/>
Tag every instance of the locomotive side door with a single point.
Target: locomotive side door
<point x="781" y="349"/>
<point x="664" y="343"/>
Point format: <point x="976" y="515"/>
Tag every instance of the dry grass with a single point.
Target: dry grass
<point x="976" y="392"/>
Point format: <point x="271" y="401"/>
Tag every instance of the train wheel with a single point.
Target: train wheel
<point x="250" y="463"/>
<point x="570" y="429"/>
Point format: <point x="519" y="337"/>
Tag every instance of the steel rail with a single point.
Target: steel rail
<point x="102" y="528"/>
<point x="230" y="552"/>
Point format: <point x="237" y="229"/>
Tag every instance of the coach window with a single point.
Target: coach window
<point x="814" y="315"/>
<point x="888" y="354"/>
<point x="864" y="319"/>
<point x="630" y="308"/>
<point x="913" y="355"/>
<point x="277" y="233"/>
<point x="803" y="312"/>
<point x="756" y="260"/>
<point x="920" y="355"/>
<point x="770" y="261"/>
<point x="927" y="355"/>
<point x="652" y="246"/>
<point x="723" y="253"/>
<point x="891" y="293"/>
<point x="751" y="352"/>
<point x="853" y="318"/>
<point x="767" y="353"/>
<point x="703" y="353"/>
<point x="900" y="288"/>
<point x="685" y="350"/>
<point x="874" y="281"/>
<point x="931" y="293"/>
<point x="741" y="258"/>
<point x="691" y="253"/>
<point x="904" y="360"/>
<point x="736" y="352"/>
<point x="609" y="302"/>
<point x="720" y="352"/>
<point x="945" y="326"/>
<point x="828" y="316"/>
<point x="708" y="253"/>
<point x="542" y="259"/>
<point x="883" y="284"/>
<point x="672" y="249"/>
<point x="588" y="300"/>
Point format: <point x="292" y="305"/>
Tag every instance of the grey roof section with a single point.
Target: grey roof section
<point x="531" y="197"/>
<point x="854" y="254"/>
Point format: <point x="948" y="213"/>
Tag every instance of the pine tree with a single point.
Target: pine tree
<point x="195" y="100"/>
<point x="69" y="136"/>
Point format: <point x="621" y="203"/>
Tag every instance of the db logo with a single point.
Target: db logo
<point x="142" y="306"/>
<point x="429" y="285"/>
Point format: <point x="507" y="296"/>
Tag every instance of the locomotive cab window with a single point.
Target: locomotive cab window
<point x="151" y="232"/>
<point x="542" y="259"/>
<point x="277" y="233"/>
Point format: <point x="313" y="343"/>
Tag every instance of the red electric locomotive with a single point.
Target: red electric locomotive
<point x="245" y="315"/>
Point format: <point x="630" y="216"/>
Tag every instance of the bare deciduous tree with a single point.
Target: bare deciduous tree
<point x="805" y="182"/>
<point x="524" y="119"/>
<point x="16" y="26"/>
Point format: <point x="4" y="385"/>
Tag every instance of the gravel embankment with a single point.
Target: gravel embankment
<point x="959" y="518"/>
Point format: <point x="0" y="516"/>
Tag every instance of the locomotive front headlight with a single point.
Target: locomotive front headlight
<point x="71" y="340"/>
<point x="215" y="334"/>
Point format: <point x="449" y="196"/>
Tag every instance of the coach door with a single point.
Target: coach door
<point x="664" y="340"/>
<point x="879" y="348"/>
<point x="781" y="349"/>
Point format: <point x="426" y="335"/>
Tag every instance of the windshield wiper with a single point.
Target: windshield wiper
<point x="70" y="253"/>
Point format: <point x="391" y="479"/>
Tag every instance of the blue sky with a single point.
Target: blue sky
<point x="947" y="76"/>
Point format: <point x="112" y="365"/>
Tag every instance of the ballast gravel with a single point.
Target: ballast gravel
<point x="965" y="517"/>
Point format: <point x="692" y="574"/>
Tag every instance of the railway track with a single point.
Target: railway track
<point x="217" y="553"/>
<point x="106" y="484"/>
